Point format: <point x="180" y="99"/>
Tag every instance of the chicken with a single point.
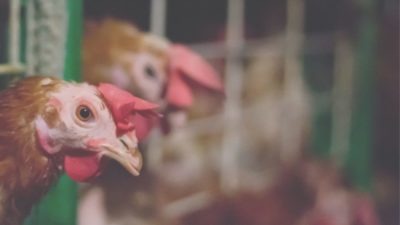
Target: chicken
<point x="147" y="65"/>
<point x="49" y="126"/>
<point x="152" y="68"/>
<point x="311" y="192"/>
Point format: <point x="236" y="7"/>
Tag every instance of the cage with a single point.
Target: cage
<point x="299" y="78"/>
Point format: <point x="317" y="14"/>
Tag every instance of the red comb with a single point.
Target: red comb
<point x="129" y="112"/>
<point x="186" y="64"/>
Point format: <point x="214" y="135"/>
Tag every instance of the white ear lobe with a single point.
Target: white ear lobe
<point x="43" y="135"/>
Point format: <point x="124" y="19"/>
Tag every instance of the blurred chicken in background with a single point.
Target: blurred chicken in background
<point x="116" y="51"/>
<point x="277" y="111"/>
<point x="308" y="192"/>
<point x="335" y="201"/>
<point x="278" y="183"/>
<point x="191" y="167"/>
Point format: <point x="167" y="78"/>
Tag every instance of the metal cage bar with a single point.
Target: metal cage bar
<point x="13" y="66"/>
<point x="157" y="26"/>
<point x="292" y="69"/>
<point x="158" y="16"/>
<point x="233" y="84"/>
<point x="342" y="98"/>
<point x="14" y="35"/>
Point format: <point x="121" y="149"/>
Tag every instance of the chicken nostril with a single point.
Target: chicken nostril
<point x="125" y="144"/>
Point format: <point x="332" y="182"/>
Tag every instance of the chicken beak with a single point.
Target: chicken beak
<point x="125" y="152"/>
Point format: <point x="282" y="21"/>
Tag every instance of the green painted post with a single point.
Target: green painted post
<point x="358" y="159"/>
<point x="320" y="143"/>
<point x="358" y="162"/>
<point x="75" y="28"/>
<point x="58" y="207"/>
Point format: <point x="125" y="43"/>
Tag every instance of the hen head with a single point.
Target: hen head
<point x="85" y="123"/>
<point x="149" y="66"/>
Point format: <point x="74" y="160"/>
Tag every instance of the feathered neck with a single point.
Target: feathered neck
<point x="26" y="173"/>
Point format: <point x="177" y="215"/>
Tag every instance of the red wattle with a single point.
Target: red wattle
<point x="82" y="168"/>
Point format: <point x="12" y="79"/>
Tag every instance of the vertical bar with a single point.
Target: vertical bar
<point x="72" y="68"/>
<point x="158" y="17"/>
<point x="30" y="58"/>
<point x="47" y="26"/>
<point x="232" y="110"/>
<point x="157" y="27"/>
<point x="359" y="160"/>
<point x="292" y="73"/>
<point x="342" y="98"/>
<point x="14" y="32"/>
<point x="58" y="206"/>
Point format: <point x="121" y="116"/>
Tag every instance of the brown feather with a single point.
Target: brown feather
<point x="26" y="173"/>
<point x="106" y="44"/>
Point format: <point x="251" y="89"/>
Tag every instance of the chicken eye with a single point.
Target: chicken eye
<point x="150" y="72"/>
<point x="84" y="113"/>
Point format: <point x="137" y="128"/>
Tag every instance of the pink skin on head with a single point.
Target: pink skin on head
<point x="42" y="130"/>
<point x="94" y="143"/>
<point x="55" y="103"/>
<point x="44" y="141"/>
<point x="79" y="168"/>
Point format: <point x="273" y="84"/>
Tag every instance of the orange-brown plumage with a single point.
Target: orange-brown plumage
<point x="32" y="156"/>
<point x="25" y="172"/>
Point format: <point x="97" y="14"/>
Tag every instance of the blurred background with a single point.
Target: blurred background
<point x="308" y="130"/>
